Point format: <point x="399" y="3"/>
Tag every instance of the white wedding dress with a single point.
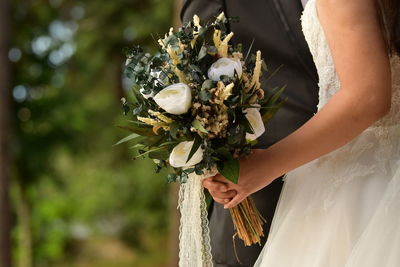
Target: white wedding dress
<point x="343" y="209"/>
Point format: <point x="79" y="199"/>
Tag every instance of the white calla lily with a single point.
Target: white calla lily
<point x="253" y="115"/>
<point x="180" y="154"/>
<point x="224" y="66"/>
<point x="175" y="99"/>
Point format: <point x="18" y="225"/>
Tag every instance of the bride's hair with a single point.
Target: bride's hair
<point x="389" y="13"/>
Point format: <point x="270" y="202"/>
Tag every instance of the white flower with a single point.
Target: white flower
<point x="128" y="61"/>
<point x="254" y="117"/>
<point x="180" y="154"/>
<point x="175" y="99"/>
<point x="147" y="96"/>
<point x="161" y="77"/>
<point x="224" y="66"/>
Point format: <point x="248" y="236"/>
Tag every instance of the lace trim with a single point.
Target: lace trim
<point x="194" y="233"/>
<point x="329" y="82"/>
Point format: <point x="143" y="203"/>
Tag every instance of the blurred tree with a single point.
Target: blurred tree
<point x="67" y="61"/>
<point x="5" y="219"/>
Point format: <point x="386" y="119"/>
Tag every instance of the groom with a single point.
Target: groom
<point x="275" y="27"/>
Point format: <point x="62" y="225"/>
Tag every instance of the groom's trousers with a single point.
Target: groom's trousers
<point x="275" y="27"/>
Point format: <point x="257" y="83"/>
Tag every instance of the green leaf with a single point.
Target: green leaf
<point x="202" y="53"/>
<point x="229" y="167"/>
<point x="264" y="66"/>
<point x="198" y="126"/>
<point x="248" y="51"/>
<point x="139" y="130"/>
<point x="169" y="143"/>
<point x="182" y="178"/>
<point x="171" y="177"/>
<point x="150" y="140"/>
<point x="127" y="138"/>
<point x="208" y="84"/>
<point x="174" y="129"/>
<point x="276" y="95"/>
<point x="236" y="135"/>
<point x="160" y="154"/>
<point x="271" y="112"/>
<point x="151" y="150"/>
<point x="195" y="68"/>
<point x="196" y="144"/>
<point x="272" y="104"/>
<point x="247" y="125"/>
<point x="209" y="199"/>
<point x="205" y="95"/>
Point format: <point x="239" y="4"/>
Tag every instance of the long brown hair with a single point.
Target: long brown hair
<point x="389" y="13"/>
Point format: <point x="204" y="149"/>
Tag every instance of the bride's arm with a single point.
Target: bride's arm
<point x="358" y="48"/>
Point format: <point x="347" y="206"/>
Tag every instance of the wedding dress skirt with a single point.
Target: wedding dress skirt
<point x="343" y="209"/>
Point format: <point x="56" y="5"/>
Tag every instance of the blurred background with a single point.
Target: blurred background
<point x="68" y="197"/>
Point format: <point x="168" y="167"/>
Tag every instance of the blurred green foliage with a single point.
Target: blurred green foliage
<point x="76" y="196"/>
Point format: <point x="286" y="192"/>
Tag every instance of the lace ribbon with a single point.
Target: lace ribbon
<point x="194" y="234"/>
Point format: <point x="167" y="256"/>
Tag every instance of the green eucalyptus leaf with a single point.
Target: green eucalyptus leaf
<point x="208" y="84"/>
<point x="189" y="170"/>
<point x="160" y="154"/>
<point x="205" y="95"/>
<point x="236" y="135"/>
<point x="127" y="138"/>
<point x="126" y="109"/>
<point x="169" y="143"/>
<point x="202" y="53"/>
<point x="150" y="151"/>
<point x="151" y="141"/>
<point x="174" y="129"/>
<point x="171" y="177"/>
<point x="182" y="178"/>
<point x="144" y="131"/>
<point x="198" y="126"/>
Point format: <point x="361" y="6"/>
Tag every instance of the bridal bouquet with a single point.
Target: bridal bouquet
<point x="199" y="108"/>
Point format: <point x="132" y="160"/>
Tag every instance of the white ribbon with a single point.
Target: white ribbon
<point x="194" y="234"/>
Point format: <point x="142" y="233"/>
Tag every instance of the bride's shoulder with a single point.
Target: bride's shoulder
<point x="343" y="7"/>
<point x="347" y="13"/>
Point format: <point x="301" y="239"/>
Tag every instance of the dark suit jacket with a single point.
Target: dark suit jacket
<point x="275" y="27"/>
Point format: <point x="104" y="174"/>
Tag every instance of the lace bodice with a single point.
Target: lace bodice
<point x="329" y="82"/>
<point x="378" y="147"/>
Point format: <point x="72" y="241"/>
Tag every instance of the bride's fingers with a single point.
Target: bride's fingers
<point x="235" y="201"/>
<point x="222" y="201"/>
<point x="222" y="179"/>
<point x="211" y="185"/>
<point x="229" y="194"/>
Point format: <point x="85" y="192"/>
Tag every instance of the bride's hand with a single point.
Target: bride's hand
<point x="253" y="177"/>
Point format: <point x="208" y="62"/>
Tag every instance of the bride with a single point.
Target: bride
<point x="340" y="205"/>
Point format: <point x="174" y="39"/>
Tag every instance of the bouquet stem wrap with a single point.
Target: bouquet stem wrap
<point x="194" y="234"/>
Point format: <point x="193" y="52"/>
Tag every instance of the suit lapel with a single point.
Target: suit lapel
<point x="289" y="12"/>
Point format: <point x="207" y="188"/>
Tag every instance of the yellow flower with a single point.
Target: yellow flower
<point x="257" y="71"/>
<point x="223" y="48"/>
<point x="160" y="116"/>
